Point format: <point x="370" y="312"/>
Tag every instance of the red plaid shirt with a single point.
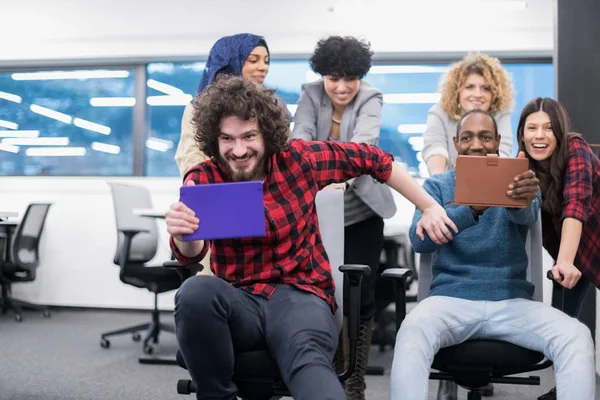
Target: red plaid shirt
<point x="581" y="201"/>
<point x="292" y="251"/>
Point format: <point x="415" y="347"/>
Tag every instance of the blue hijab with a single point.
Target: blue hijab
<point x="228" y="55"/>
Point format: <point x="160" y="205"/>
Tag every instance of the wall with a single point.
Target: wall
<point x="79" y="241"/>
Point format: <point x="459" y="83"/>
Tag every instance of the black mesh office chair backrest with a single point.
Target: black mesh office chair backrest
<point x="26" y="239"/>
<point x="126" y="198"/>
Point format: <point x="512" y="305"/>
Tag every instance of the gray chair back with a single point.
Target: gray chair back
<point x="26" y="239"/>
<point x="535" y="270"/>
<point x="330" y="211"/>
<point x="126" y="198"/>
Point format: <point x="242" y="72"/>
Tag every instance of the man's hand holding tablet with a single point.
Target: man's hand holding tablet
<point x="181" y="220"/>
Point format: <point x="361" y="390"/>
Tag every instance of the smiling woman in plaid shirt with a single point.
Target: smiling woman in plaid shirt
<point x="277" y="291"/>
<point x="569" y="174"/>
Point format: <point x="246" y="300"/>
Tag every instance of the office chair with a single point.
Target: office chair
<point x="23" y="259"/>
<point x="137" y="244"/>
<point x="397" y="252"/>
<point x="255" y="373"/>
<point x="475" y="364"/>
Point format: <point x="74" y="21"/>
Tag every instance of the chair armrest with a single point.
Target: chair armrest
<point x="353" y="274"/>
<point x="399" y="275"/>
<point x="362" y="269"/>
<point x="184" y="270"/>
<point x="550" y="276"/>
<point x="558" y="291"/>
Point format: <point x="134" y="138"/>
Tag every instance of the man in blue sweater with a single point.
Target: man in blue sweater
<point x="480" y="288"/>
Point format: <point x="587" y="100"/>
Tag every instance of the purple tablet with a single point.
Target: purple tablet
<point x="226" y="210"/>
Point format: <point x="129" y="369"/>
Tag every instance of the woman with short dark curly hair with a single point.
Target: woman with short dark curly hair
<point x="342" y="107"/>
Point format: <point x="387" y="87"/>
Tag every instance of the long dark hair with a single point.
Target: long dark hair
<point x="556" y="165"/>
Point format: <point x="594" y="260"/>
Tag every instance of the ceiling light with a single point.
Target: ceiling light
<point x="21" y="134"/>
<point x="11" y="97"/>
<point x="8" y="124"/>
<point x="180" y="100"/>
<point x="43" y="141"/>
<point x="407" y="129"/>
<point x="55" y="151"/>
<point x="62" y="75"/>
<point x="106" y="148"/>
<point x="112" y="101"/>
<point x="9" y="148"/>
<point x="164" y="87"/>
<point x="411" y="98"/>
<point x="159" y="144"/>
<point x="46" y="112"/>
<point x="91" y="126"/>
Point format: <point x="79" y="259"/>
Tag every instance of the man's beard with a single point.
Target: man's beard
<point x="242" y="175"/>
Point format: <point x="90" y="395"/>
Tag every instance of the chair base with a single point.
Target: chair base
<point x="17" y="306"/>
<point x="152" y="329"/>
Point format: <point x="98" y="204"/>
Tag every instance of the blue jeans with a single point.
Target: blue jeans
<point x="440" y="321"/>
<point x="215" y="320"/>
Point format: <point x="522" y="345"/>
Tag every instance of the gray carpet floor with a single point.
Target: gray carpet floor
<point x="60" y="358"/>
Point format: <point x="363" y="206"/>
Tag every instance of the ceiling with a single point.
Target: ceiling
<point x="109" y="29"/>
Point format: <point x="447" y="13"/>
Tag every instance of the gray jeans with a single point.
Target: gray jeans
<point x="214" y="321"/>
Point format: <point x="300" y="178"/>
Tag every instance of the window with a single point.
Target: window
<point x="409" y="91"/>
<point x="75" y="122"/>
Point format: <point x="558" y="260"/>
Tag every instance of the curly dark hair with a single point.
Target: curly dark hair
<point x="236" y="96"/>
<point x="342" y="56"/>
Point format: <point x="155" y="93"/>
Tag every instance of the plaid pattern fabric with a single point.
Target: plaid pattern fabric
<point x="292" y="251"/>
<point x="581" y="200"/>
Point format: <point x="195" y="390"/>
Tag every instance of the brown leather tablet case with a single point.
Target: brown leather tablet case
<point x="483" y="181"/>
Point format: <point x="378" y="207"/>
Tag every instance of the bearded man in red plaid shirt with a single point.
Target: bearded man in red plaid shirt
<point x="274" y="292"/>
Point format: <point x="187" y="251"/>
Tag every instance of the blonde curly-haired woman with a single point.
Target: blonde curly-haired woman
<point x="476" y="81"/>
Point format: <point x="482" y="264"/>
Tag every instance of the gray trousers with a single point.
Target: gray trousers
<point x="214" y="321"/>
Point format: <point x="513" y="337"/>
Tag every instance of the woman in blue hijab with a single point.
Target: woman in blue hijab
<point x="244" y="55"/>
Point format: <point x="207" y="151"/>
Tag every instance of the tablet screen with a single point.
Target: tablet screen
<point x="226" y="210"/>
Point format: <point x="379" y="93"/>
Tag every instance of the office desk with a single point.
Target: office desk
<point x="7" y="227"/>
<point x="149" y="213"/>
<point x="8" y="214"/>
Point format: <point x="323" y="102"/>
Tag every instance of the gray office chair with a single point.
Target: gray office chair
<point x="475" y="364"/>
<point x="256" y="374"/>
<point x="23" y="259"/>
<point x="137" y="244"/>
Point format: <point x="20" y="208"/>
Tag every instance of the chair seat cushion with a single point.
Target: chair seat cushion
<point x="485" y="354"/>
<point x="249" y="364"/>
<point x="156" y="279"/>
<point x="253" y="365"/>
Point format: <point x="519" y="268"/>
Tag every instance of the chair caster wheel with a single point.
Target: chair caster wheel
<point x="47" y="314"/>
<point x="104" y="343"/>
<point x="148" y="349"/>
<point x="136" y="337"/>
<point x="18" y="318"/>
<point x="488" y="391"/>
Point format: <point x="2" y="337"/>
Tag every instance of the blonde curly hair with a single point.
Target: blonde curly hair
<point x="495" y="77"/>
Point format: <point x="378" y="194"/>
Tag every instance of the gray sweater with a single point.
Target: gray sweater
<point x="441" y="129"/>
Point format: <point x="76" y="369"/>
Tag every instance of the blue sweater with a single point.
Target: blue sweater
<point x="487" y="259"/>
